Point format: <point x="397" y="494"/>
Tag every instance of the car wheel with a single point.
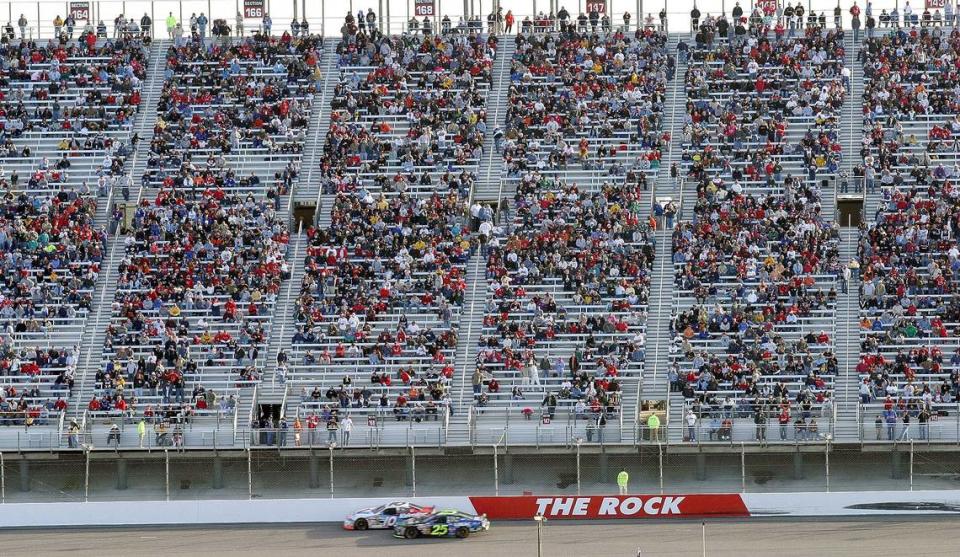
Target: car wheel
<point x="410" y="532"/>
<point x="360" y="524"/>
<point x="462" y="532"/>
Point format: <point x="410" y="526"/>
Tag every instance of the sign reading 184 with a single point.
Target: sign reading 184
<point x="423" y="8"/>
<point x="253" y="9"/>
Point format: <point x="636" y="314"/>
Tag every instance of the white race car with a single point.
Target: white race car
<point x="383" y="517"/>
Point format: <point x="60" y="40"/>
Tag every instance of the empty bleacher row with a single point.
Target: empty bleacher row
<point x="756" y="263"/>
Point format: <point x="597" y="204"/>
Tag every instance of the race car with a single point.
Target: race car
<point x="440" y="524"/>
<point x="384" y="516"/>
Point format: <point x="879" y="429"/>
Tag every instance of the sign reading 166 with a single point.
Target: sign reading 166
<point x="253" y="9"/>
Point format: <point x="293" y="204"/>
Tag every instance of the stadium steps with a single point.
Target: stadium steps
<point x="675" y="112"/>
<point x="847" y="345"/>
<point x="307" y="190"/>
<point x="491" y="165"/>
<point x="148" y="116"/>
<point x="271" y="390"/>
<point x="471" y="324"/>
<point x="653" y="385"/>
<point x="94" y="333"/>
<point x="852" y="128"/>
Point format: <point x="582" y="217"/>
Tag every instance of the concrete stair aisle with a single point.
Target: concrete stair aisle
<point x="471" y="324"/>
<point x="653" y="385"/>
<point x="852" y="125"/>
<point x="148" y="116"/>
<point x="847" y="346"/>
<point x="675" y="112"/>
<point x="94" y="333"/>
<point x="308" y="188"/>
<point x="491" y="164"/>
<point x="282" y="325"/>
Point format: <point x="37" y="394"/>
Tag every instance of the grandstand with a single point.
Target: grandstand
<point x="463" y="238"/>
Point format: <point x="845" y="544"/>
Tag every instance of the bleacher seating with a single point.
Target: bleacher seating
<point x="66" y="110"/>
<point x="205" y="258"/>
<point x="380" y="302"/>
<point x="909" y="363"/>
<point x="756" y="266"/>
<point x="585" y="106"/>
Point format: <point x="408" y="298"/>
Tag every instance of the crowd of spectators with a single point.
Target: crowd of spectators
<point x="909" y="355"/>
<point x="568" y="284"/>
<point x="590" y="101"/>
<point x="379" y="305"/>
<point x="408" y="112"/>
<point x="756" y="265"/>
<point x="205" y="257"/>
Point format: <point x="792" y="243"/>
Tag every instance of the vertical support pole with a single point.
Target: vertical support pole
<point x="826" y="464"/>
<point x="496" y="473"/>
<point x="911" y="465"/>
<point x="218" y="472"/>
<point x="249" y="474"/>
<point x="331" y="471"/>
<point x="24" y="475"/>
<point x="166" y="459"/>
<point x="413" y="468"/>
<point x="743" y="469"/>
<point x="86" y="478"/>
<point x="701" y="466"/>
<point x="660" y="459"/>
<point x="313" y="463"/>
<point x="121" y="474"/>
<point x="3" y="480"/>
<point x="578" y="467"/>
<point x="798" y="465"/>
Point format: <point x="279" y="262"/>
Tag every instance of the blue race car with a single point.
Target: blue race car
<point x="440" y="524"/>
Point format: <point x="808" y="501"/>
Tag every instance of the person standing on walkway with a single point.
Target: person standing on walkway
<point x="623" y="478"/>
<point x="691" y="425"/>
<point x="346" y="426"/>
<point x="653" y="424"/>
<point x="141" y="431"/>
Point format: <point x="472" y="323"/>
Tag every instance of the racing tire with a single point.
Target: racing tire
<point x="361" y="524"/>
<point x="462" y="532"/>
<point x="411" y="532"/>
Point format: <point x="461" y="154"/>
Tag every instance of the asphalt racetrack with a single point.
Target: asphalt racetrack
<point x="872" y="537"/>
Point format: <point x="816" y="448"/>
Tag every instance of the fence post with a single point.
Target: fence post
<point x="496" y="473"/>
<point x="166" y="458"/>
<point x="413" y="468"/>
<point x="911" y="465"/>
<point x="86" y="478"/>
<point x="743" y="469"/>
<point x="826" y="464"/>
<point x="3" y="480"/>
<point x="660" y="459"/>
<point x="579" y="441"/>
<point x="332" y="445"/>
<point x="249" y="473"/>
